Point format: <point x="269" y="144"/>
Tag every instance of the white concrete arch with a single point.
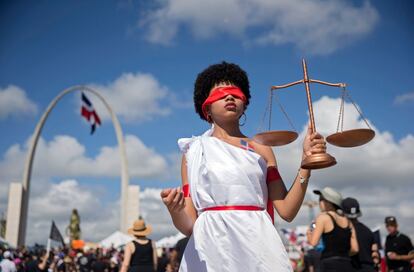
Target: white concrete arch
<point x="31" y="152"/>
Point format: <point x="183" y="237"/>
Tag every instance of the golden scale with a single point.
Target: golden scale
<point x="342" y="138"/>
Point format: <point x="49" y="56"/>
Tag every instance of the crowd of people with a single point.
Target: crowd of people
<point x="62" y="259"/>
<point x="397" y="253"/>
<point x="37" y="259"/>
<point x="338" y="241"/>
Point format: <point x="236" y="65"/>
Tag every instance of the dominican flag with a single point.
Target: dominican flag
<point x="89" y="113"/>
<point x="246" y="146"/>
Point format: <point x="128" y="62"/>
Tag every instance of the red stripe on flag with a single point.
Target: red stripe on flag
<point x="85" y="113"/>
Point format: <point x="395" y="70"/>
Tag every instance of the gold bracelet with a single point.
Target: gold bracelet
<point x="302" y="179"/>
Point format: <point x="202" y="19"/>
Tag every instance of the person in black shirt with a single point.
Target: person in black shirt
<point x="180" y="247"/>
<point x="41" y="263"/>
<point x="336" y="231"/>
<point x="100" y="265"/>
<point x="368" y="249"/>
<point x="140" y="254"/>
<point x="162" y="261"/>
<point x="83" y="263"/>
<point x="399" y="250"/>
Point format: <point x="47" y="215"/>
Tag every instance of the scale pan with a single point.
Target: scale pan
<point x="275" y="137"/>
<point x="351" y="138"/>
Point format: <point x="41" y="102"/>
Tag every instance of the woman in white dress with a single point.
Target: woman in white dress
<point x="227" y="180"/>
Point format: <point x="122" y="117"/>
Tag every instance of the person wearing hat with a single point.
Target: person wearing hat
<point x="140" y="254"/>
<point x="367" y="255"/>
<point x="6" y="264"/>
<point x="399" y="250"/>
<point x="336" y="231"/>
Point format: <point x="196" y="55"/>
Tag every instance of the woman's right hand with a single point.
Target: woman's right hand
<point x="173" y="199"/>
<point x="314" y="143"/>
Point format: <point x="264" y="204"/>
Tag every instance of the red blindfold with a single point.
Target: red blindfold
<point x="220" y="93"/>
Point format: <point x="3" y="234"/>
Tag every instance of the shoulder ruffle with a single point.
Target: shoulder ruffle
<point x="185" y="143"/>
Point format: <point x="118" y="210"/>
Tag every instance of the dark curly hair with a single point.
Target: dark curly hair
<point x="215" y="74"/>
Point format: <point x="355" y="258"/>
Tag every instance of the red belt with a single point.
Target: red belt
<point x="234" y="208"/>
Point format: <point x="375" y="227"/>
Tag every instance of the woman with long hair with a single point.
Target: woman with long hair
<point x="336" y="231"/>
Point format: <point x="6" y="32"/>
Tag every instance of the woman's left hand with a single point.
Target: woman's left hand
<point x="314" y="143"/>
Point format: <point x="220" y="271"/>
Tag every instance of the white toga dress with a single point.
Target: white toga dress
<point x="221" y="174"/>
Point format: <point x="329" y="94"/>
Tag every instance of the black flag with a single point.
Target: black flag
<point x="55" y="234"/>
<point x="377" y="238"/>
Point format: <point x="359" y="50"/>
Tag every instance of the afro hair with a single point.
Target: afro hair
<point x="215" y="74"/>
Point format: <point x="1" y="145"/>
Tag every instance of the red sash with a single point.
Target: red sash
<point x="234" y="208"/>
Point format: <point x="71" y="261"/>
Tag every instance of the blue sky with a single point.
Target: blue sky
<point x="144" y="57"/>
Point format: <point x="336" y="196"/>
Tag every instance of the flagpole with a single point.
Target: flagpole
<point x="48" y="245"/>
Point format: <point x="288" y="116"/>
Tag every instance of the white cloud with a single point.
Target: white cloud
<point x="143" y="161"/>
<point x="316" y="26"/>
<point x="404" y="98"/>
<point x="133" y="97"/>
<point x="13" y="101"/>
<point x="382" y="159"/>
<point x="64" y="156"/>
<point x="57" y="200"/>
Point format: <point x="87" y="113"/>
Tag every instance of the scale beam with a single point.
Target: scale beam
<point x="339" y="85"/>
<point x="286" y="85"/>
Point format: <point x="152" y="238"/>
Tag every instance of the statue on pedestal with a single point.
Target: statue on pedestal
<point x="73" y="230"/>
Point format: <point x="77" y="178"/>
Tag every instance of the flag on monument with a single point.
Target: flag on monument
<point x="55" y="234"/>
<point x="89" y="113"/>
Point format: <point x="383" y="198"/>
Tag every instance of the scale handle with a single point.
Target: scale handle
<point x="308" y="95"/>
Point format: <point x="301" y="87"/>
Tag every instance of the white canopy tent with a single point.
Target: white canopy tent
<point x="119" y="239"/>
<point x="169" y="241"/>
<point x="116" y="239"/>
